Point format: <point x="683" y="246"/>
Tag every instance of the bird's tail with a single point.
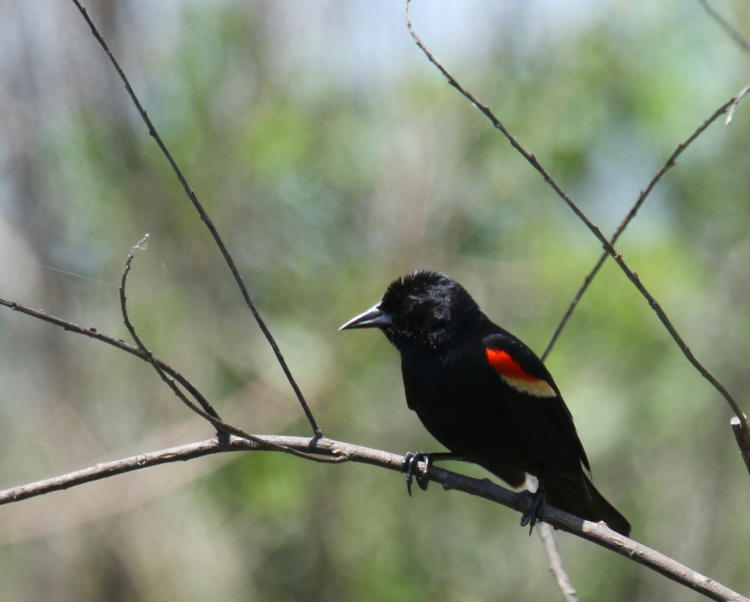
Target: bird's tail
<point x="577" y="495"/>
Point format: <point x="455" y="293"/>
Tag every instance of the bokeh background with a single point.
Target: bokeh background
<point x="333" y="158"/>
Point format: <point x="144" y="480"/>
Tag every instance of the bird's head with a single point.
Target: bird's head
<point x="424" y="308"/>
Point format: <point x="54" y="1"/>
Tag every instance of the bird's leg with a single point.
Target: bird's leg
<point x="411" y="466"/>
<point x="538" y="505"/>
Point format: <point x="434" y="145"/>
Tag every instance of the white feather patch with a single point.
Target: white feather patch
<point x="536" y="387"/>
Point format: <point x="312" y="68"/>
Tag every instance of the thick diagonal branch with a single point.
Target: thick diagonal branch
<point x="597" y="533"/>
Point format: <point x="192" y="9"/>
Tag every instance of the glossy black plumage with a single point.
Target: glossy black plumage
<point x="484" y="394"/>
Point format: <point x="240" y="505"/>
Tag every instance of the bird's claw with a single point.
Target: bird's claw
<point x="538" y="505"/>
<point x="411" y="468"/>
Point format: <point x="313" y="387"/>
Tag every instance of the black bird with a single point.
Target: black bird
<point x="484" y="394"/>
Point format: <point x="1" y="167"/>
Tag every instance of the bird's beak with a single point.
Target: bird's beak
<point x="373" y="317"/>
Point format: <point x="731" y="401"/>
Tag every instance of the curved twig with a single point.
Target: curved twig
<point x="164" y="369"/>
<point x="96" y="334"/>
<point x="597" y="533"/>
<point x="146" y="353"/>
<point x="205" y="218"/>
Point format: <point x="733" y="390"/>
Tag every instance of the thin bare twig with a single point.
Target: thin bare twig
<point x="205" y="218"/>
<point x="208" y="414"/>
<point x="597" y="533"/>
<point x="670" y="162"/>
<point x="726" y="26"/>
<point x="96" y="334"/>
<point x="556" y="567"/>
<point x="148" y="356"/>
<point x="632" y="276"/>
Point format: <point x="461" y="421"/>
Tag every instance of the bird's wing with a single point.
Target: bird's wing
<point x="537" y="410"/>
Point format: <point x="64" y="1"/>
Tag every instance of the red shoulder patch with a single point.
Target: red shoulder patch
<point x="514" y="375"/>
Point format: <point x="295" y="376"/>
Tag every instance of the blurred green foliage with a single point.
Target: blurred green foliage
<point x="333" y="158"/>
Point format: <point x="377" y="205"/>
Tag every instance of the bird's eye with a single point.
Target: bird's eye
<point x="411" y="301"/>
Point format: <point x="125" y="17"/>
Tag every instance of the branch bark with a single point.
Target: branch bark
<point x="597" y="533"/>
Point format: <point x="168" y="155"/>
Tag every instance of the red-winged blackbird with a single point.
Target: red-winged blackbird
<point x="484" y="394"/>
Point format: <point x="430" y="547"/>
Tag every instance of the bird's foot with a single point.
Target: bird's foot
<point x="411" y="468"/>
<point x="538" y="505"/>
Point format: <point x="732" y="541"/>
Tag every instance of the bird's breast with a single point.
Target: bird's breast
<point x="463" y="404"/>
